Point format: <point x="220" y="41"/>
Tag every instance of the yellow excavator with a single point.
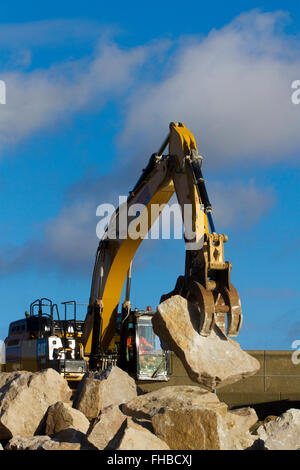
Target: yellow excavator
<point x="107" y="337"/>
<point x="206" y="281"/>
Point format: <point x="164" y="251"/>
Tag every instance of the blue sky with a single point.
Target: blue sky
<point x="90" y="94"/>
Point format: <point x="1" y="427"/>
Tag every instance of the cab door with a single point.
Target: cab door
<point x="42" y="352"/>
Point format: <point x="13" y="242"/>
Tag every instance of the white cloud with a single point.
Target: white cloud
<point x="232" y="89"/>
<point x="43" y="98"/>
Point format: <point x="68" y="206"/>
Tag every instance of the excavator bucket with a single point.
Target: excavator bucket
<point x="207" y="285"/>
<point x="211" y="290"/>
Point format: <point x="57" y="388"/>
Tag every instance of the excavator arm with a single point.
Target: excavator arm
<point x="206" y="281"/>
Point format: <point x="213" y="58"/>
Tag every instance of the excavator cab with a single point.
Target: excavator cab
<point x="141" y="352"/>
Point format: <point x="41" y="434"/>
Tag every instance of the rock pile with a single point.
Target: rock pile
<point x="36" y="414"/>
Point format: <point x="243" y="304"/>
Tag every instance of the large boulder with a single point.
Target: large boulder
<point x="132" y="436"/>
<point x="175" y="397"/>
<point x="105" y="427"/>
<point x="211" y="361"/>
<point x="25" y="398"/>
<point x="204" y="428"/>
<point x="283" y="433"/>
<point x="98" y="390"/>
<point x="61" y="416"/>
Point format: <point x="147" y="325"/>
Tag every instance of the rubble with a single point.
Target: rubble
<point x="283" y="433"/>
<point x="69" y="440"/>
<point x="180" y="417"/>
<point x="211" y="361"/>
<point x="25" y="398"/>
<point x="27" y="443"/>
<point x="99" y="390"/>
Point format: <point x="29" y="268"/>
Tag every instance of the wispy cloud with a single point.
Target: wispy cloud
<point x="232" y="88"/>
<point x="43" y="98"/>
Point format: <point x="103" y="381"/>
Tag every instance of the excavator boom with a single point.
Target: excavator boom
<point x="206" y="281"/>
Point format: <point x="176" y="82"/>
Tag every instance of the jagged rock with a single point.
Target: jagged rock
<point x="283" y="433"/>
<point x="55" y="445"/>
<point x="191" y="428"/>
<point x="71" y="440"/>
<point x="27" y="443"/>
<point x="25" y="398"/>
<point x="238" y="423"/>
<point x="97" y="390"/>
<point x="105" y="427"/>
<point x="132" y="436"/>
<point x="176" y="397"/>
<point x="212" y="361"/>
<point x="62" y="416"/>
